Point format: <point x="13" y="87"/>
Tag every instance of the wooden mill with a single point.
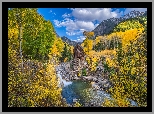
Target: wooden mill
<point x="79" y="55"/>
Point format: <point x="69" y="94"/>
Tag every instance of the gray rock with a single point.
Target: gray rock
<point x="95" y="86"/>
<point x="99" y="68"/>
<point x="85" y="63"/>
<point x="94" y="79"/>
<point x="100" y="83"/>
<point x="89" y="78"/>
<point x="75" y="75"/>
<point x="99" y="75"/>
<point x="67" y="75"/>
<point x="104" y="81"/>
<point x="106" y="85"/>
<point x="67" y="79"/>
<point x="76" y="78"/>
<point x="99" y="78"/>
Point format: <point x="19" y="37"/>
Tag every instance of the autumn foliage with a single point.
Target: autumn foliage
<point x="35" y="84"/>
<point x="34" y="51"/>
<point x="125" y="53"/>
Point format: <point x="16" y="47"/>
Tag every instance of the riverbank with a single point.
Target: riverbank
<point x="81" y="89"/>
<point x="98" y="79"/>
<point x="87" y="90"/>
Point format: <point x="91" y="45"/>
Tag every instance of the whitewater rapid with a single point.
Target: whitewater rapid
<point x="62" y="81"/>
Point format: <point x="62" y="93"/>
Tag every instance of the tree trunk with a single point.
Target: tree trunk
<point x="20" y="38"/>
<point x="114" y="43"/>
<point x="105" y="44"/>
<point x="109" y="43"/>
<point x="117" y="41"/>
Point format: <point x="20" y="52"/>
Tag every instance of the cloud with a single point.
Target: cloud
<point x="80" y="39"/>
<point x="57" y="23"/>
<point x="66" y="15"/>
<point x="84" y="18"/>
<point x="87" y="19"/>
<point x="127" y="10"/>
<point x="75" y="27"/>
<point x="50" y="11"/>
<point x="71" y="33"/>
<point x="71" y="8"/>
<point x="92" y="14"/>
<point x="75" y="32"/>
<point x="86" y="25"/>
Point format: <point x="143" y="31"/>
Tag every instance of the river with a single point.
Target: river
<point x="82" y="90"/>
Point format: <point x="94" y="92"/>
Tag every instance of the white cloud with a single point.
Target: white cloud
<point x="80" y="39"/>
<point x="127" y="10"/>
<point x="87" y="25"/>
<point x="70" y="33"/>
<point x="57" y="23"/>
<point x="92" y="14"/>
<point x="50" y="11"/>
<point x="75" y="27"/>
<point x="82" y="30"/>
<point x="71" y="8"/>
<point x="66" y="15"/>
<point x="84" y="19"/>
<point x="74" y="33"/>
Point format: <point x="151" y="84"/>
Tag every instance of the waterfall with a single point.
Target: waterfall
<point x="62" y="81"/>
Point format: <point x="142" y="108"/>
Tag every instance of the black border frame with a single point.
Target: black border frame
<point x="6" y="5"/>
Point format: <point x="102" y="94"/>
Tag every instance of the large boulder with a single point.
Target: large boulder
<point x="76" y="78"/>
<point x="94" y="79"/>
<point x="99" y="69"/>
<point x="67" y="66"/>
<point x="90" y="78"/>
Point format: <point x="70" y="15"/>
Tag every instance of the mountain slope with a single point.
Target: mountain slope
<point x="106" y="26"/>
<point x="70" y="42"/>
<point x="67" y="40"/>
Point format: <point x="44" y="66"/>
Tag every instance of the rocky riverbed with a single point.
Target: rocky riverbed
<point x="87" y="90"/>
<point x="74" y="86"/>
<point x="97" y="79"/>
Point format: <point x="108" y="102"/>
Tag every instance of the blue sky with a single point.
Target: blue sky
<point x="71" y="22"/>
